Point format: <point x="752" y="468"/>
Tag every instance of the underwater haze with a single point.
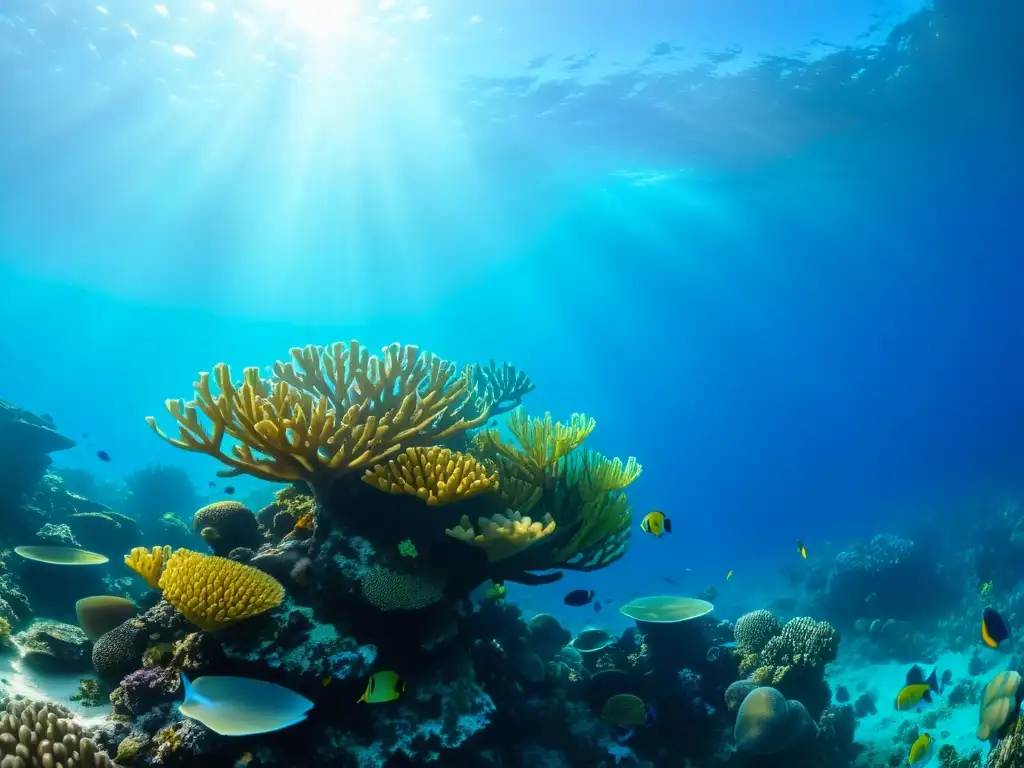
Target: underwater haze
<point x="773" y="249"/>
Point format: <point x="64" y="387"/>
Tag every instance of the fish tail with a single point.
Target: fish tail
<point x="933" y="681"/>
<point x="191" y="697"/>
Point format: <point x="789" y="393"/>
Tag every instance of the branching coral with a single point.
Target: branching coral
<point x="502" y="536"/>
<point x="213" y="592"/>
<point x="436" y="475"/>
<point x="329" y="411"/>
<point x="505" y="386"/>
<point x="581" y="491"/>
<point x="149" y="564"/>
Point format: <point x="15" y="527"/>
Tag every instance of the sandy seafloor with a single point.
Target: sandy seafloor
<point x="15" y="680"/>
<point x="878" y="732"/>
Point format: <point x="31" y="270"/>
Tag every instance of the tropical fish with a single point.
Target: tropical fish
<point x="229" y="489"/>
<point x="382" y="687"/>
<point x="578" y="597"/>
<point x="103" y="455"/>
<point x="921" y="750"/>
<point x="993" y="629"/>
<point x="655" y="523"/>
<point x="597" y="607"/>
<point x="728" y="575"/>
<point x="801" y="548"/>
<point x="61" y="555"/>
<point x="917" y="693"/>
<point x="241" y="706"/>
<point x="497" y="591"/>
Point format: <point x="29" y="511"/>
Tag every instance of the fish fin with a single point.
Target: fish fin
<point x="915" y="676"/>
<point x="933" y="681"/>
<point x="626" y="736"/>
<point x="927" y="696"/>
<point x="645" y="526"/>
<point x="668" y="525"/>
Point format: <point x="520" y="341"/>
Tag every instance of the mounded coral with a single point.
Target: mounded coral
<point x="225" y="525"/>
<point x="767" y="723"/>
<point x="753" y="630"/>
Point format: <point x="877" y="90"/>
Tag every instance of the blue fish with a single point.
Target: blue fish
<point x="241" y="706"/>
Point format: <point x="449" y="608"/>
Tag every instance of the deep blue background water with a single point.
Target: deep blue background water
<point x="790" y="285"/>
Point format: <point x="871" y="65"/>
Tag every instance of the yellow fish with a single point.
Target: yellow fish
<point x="728" y="575"/>
<point x="913" y="697"/>
<point x="801" y="549"/>
<point x="655" y="523"/>
<point x="921" y="751"/>
<point x="382" y="687"/>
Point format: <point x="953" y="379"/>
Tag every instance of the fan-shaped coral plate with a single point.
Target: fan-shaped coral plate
<point x="61" y="555"/>
<point x="666" y="609"/>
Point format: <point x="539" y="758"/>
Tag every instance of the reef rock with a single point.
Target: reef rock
<point x="54" y="648"/>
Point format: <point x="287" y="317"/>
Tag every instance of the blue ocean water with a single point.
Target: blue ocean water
<point x="773" y="249"/>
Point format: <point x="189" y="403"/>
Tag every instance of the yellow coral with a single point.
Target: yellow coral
<point x="328" y="411"/>
<point x="542" y="441"/>
<point x="149" y="564"/>
<point x="604" y="475"/>
<point x="436" y="475"/>
<point x="502" y="536"/>
<point x="213" y="592"/>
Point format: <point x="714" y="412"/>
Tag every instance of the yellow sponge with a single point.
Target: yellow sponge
<point x="213" y="592"/>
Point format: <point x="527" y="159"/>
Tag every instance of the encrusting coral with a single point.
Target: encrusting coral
<point x="149" y="564"/>
<point x="436" y="475"/>
<point x="213" y="592"/>
<point x="329" y="411"/>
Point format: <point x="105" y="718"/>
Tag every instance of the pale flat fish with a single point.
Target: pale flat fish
<point x="61" y="555"/>
<point x="241" y="706"/>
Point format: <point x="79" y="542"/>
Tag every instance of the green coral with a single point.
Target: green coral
<point x="802" y="642"/>
<point x="407" y="548"/>
<point x="90" y="693"/>
<point x="545" y="472"/>
<point x="129" y="748"/>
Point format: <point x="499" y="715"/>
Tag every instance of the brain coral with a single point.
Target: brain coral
<point x="766" y="723"/>
<point x="737" y="692"/>
<point x="999" y="702"/>
<point x="119" y="651"/>
<point x="213" y="592"/>
<point x="390" y="590"/>
<point x="802" y="642"/>
<point x="46" y="735"/>
<point x="753" y="630"/>
<point x="226" y="525"/>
